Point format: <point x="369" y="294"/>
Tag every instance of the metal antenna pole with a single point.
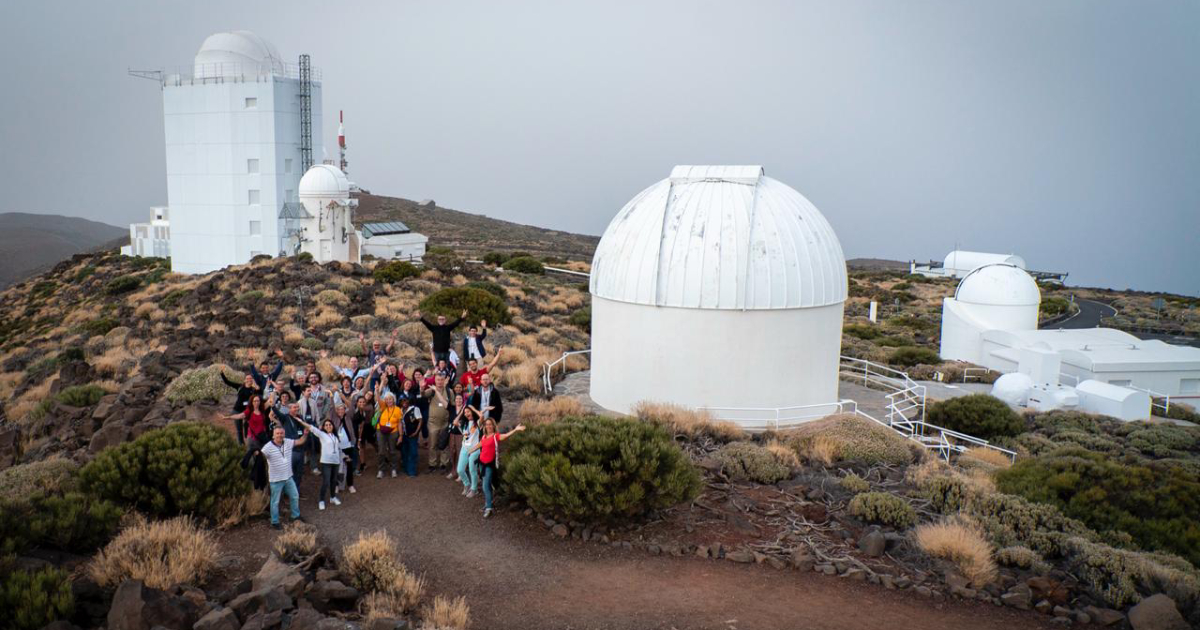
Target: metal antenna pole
<point x="306" y="145"/>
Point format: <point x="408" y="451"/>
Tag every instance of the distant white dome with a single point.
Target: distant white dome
<point x="999" y="285"/>
<point x="965" y="260"/>
<point x="324" y="180"/>
<point x="720" y="237"/>
<point x="237" y="53"/>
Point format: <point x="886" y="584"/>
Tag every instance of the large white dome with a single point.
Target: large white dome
<point x="324" y="180"/>
<point x="999" y="285"/>
<point x="720" y="237"/>
<point x="237" y="53"/>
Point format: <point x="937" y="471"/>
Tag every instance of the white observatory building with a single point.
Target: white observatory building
<point x="720" y="288"/>
<point x="322" y="225"/>
<point x="241" y="127"/>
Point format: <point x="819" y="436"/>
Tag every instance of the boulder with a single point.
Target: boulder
<point x="1104" y="616"/>
<point x="138" y="607"/>
<point x="384" y="623"/>
<point x="873" y="543"/>
<point x="560" y="530"/>
<point x="1157" y="612"/>
<point x="264" y="621"/>
<point x="111" y="434"/>
<point x="263" y="600"/>
<point x="741" y="555"/>
<point x="330" y="593"/>
<point x="305" y="619"/>
<point x="1019" y="597"/>
<point x="10" y="445"/>
<point x="1049" y="589"/>
<point x="218" y="619"/>
<point x="277" y="573"/>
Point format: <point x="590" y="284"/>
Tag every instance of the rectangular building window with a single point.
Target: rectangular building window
<point x="255" y="228"/>
<point x="1189" y="386"/>
<point x="1120" y="382"/>
<point x="251" y="165"/>
<point x="253" y="196"/>
<point x="251" y="102"/>
<point x="287" y="165"/>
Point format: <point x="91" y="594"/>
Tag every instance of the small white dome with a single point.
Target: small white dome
<point x="999" y="285"/>
<point x="324" y="180"/>
<point x="1013" y="388"/>
<point x="236" y="53"/>
<point x="720" y="237"/>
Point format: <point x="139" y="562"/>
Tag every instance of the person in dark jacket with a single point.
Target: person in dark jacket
<point x="486" y="399"/>
<point x="441" y="334"/>
<point x="245" y="390"/>
<point x="472" y="345"/>
<point x="262" y="375"/>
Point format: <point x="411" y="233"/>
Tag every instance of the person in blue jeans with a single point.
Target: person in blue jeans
<point x="468" y="458"/>
<point x="278" y="453"/>
<point x="413" y="421"/>
<point x="489" y="457"/>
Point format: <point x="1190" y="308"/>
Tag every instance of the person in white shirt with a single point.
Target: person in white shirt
<point x="278" y="453"/>
<point x="331" y="458"/>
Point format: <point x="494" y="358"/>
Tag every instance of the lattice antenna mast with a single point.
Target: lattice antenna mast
<point x="306" y="145"/>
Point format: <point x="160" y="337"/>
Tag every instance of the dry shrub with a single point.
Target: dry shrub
<point x="578" y="362"/>
<point x="298" y="541"/>
<point x="991" y="457"/>
<point x="688" y="423"/>
<point x="512" y="355"/>
<point x="292" y="335"/>
<point x="401" y="596"/>
<point x="327" y="318"/>
<point x="447" y="614"/>
<point x="553" y="305"/>
<point x="414" y="334"/>
<point x="948" y="489"/>
<point x="962" y="543"/>
<point x="362" y="322"/>
<point x="160" y="553"/>
<point x="847" y="437"/>
<point x="526" y="376"/>
<point x="148" y="310"/>
<point x="114" y="362"/>
<point x="783" y="453"/>
<point x="217" y="328"/>
<point x="30" y="399"/>
<point x="538" y="412"/>
<point x="373" y="567"/>
<point x="233" y="511"/>
<point x="109" y="386"/>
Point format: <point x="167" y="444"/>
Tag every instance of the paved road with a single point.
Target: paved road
<point x="1089" y="315"/>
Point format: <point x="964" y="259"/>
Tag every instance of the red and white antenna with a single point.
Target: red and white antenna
<point x="341" y="142"/>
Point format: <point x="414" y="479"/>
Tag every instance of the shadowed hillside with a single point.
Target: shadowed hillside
<point x="30" y="243"/>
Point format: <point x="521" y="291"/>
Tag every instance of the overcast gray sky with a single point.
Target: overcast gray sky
<point x="1065" y="131"/>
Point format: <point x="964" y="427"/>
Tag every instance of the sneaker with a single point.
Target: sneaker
<point x="380" y="475"/>
<point x="352" y="490"/>
<point x="470" y="494"/>
<point x="393" y="474"/>
<point x="335" y="501"/>
<point x="316" y="471"/>
<point x="487" y="512"/>
<point x="320" y="505"/>
<point x="276" y="526"/>
<point x="452" y="476"/>
<point x="464" y="492"/>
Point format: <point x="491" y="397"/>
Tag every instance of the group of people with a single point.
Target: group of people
<point x="454" y="410"/>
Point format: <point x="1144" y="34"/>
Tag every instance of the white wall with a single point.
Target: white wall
<point x="327" y="234"/>
<point x="963" y="325"/>
<point x="210" y="136"/>
<point x="714" y="358"/>
<point x="411" y="245"/>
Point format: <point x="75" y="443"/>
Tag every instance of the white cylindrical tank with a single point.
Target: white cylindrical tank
<point x="717" y="287"/>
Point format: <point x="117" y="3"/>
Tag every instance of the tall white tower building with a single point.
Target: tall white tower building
<point x="241" y="129"/>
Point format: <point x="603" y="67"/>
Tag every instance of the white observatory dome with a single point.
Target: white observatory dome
<point x="720" y="237"/>
<point x="237" y="53"/>
<point x="702" y="278"/>
<point x="998" y="285"/>
<point x="324" y="180"/>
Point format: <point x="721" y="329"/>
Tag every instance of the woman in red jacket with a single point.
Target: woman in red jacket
<point x="489" y="457"/>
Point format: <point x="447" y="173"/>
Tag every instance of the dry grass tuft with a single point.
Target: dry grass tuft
<point x="217" y="328"/>
<point x="292" y="335"/>
<point x="846" y="437"/>
<point x="538" y="412"/>
<point x="962" y="543"/>
<point x="447" y="614"/>
<point x="298" y="541"/>
<point x="160" y="553"/>
<point x="688" y="422"/>
<point x="783" y="454"/>
<point x="988" y="456"/>
<point x="327" y="318"/>
<point x="234" y="511"/>
<point x="373" y="567"/>
<point x="526" y="376"/>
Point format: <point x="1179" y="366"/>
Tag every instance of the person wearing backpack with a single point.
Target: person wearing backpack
<point x="387" y="433"/>
<point x="411" y="423"/>
<point x="489" y="457"/>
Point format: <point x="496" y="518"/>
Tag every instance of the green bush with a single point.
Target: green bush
<point x="80" y="395"/>
<point x="348" y="347"/>
<point x="251" y="296"/>
<point x="853" y="483"/>
<point x="394" y="271"/>
<point x="495" y="259"/>
<point x="884" y="508"/>
<point x="1156" y="504"/>
<point x="745" y="460"/>
<point x="42" y="289"/>
<point x="73" y="521"/>
<point x="1123" y="577"/>
<point x="314" y="344"/>
<point x="525" y="264"/>
<point x="122" y="284"/>
<point x="47" y="476"/>
<point x="853" y="439"/>
<point x="42" y="368"/>
<point x="1054" y="306"/>
<point x="1022" y="558"/>
<point x="862" y="331"/>
<point x="1161" y="440"/>
<point x="304" y="257"/>
<point x="85" y="273"/>
<point x="440" y="250"/>
<point x="32" y="600"/>
<point x="902" y="286"/>
<point x="980" y="415"/>
<point x="947" y="494"/>
<point x="909" y="356"/>
<point x="582" y="319"/>
<point x="1010" y="520"/>
<point x="100" y="325"/>
<point x="598" y="469"/>
<point x="184" y="468"/>
<point x="494" y="288"/>
<point x="479" y="303"/>
<point x="197" y="384"/>
<point x="444" y="262"/>
<point x="72" y="353"/>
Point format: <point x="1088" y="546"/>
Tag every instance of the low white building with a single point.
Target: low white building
<point x="152" y="239"/>
<point x="992" y="321"/>
<point x="707" y="282"/>
<point x="323" y="224"/>
<point x="959" y="263"/>
<point x="393" y="239"/>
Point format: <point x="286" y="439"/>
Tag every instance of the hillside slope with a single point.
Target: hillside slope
<point x="474" y="234"/>
<point x="30" y="243"/>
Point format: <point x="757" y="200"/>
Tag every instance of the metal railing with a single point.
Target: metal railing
<point x="775" y="418"/>
<point x="548" y="369"/>
<point x="225" y="73"/>
<point x="980" y="370"/>
<point x="1158" y="400"/>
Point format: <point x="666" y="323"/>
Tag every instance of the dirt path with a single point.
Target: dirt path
<point x="516" y="575"/>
